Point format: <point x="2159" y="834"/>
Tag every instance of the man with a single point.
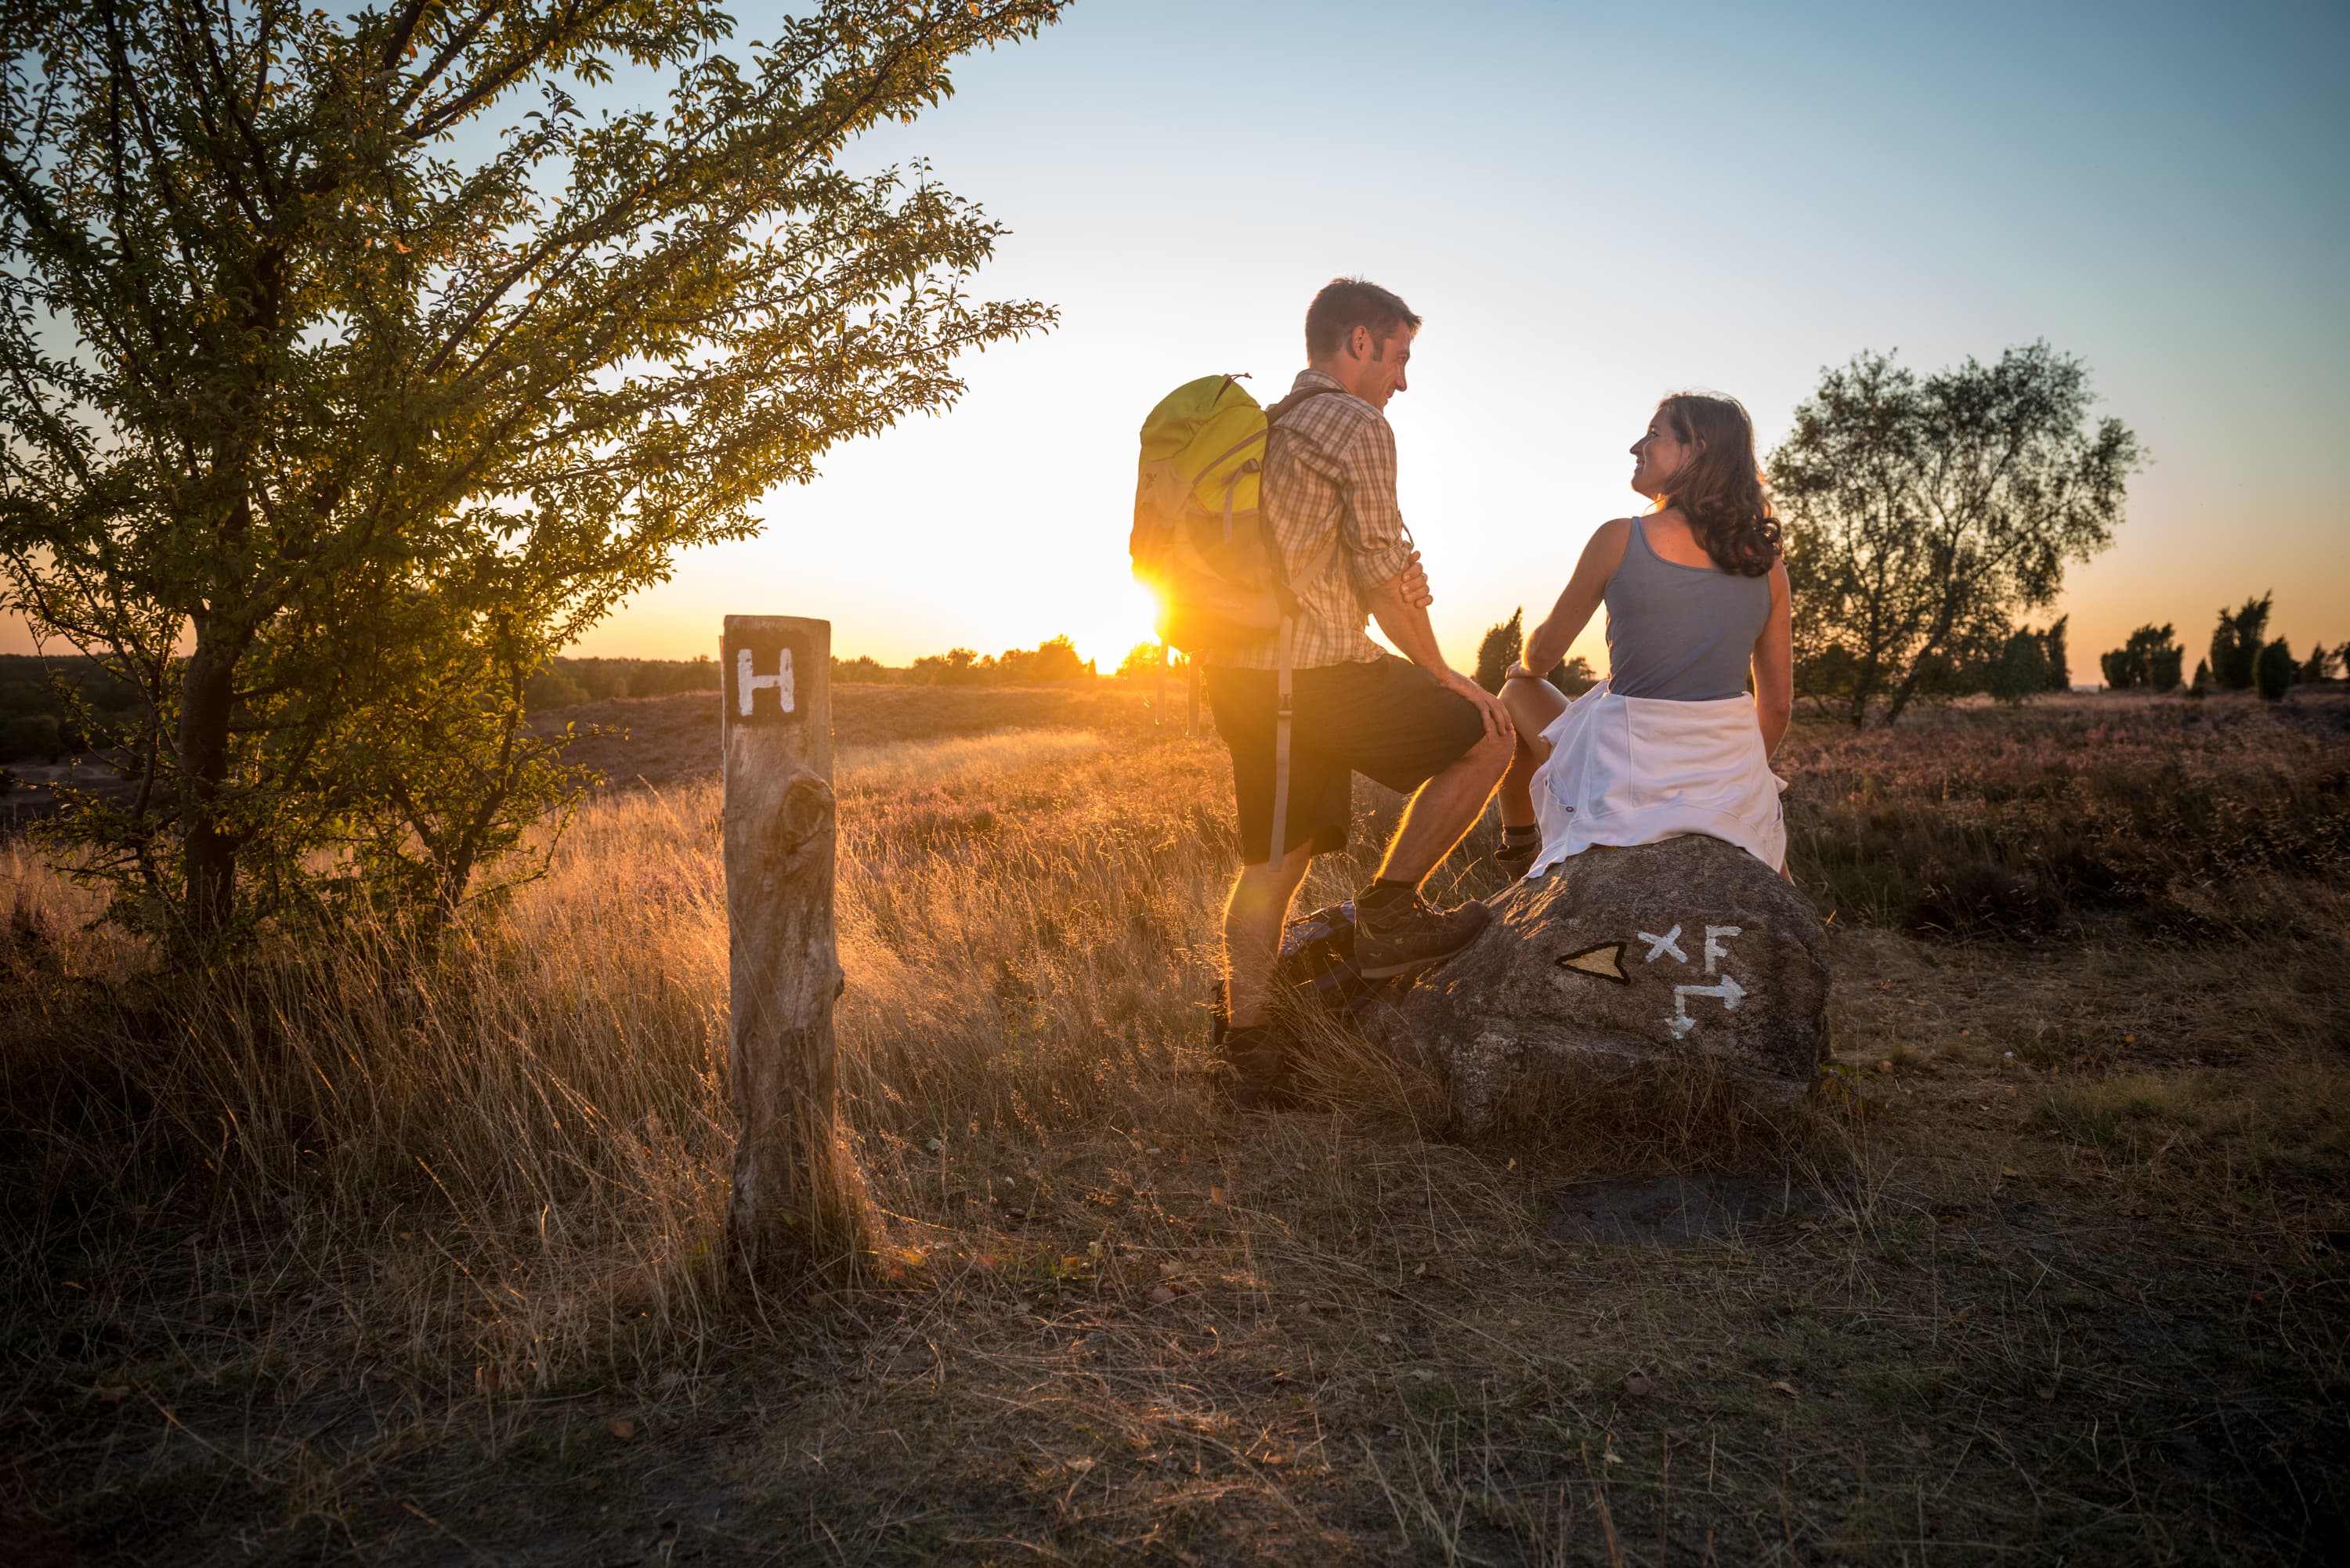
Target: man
<point x="1417" y="726"/>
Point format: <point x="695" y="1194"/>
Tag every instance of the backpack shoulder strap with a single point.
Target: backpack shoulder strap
<point x="1295" y="401"/>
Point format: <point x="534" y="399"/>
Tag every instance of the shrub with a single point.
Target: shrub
<point x="1499" y="648"/>
<point x="1504" y="644"/>
<point x="2060" y="662"/>
<point x="1142" y="659"/>
<point x="2149" y="661"/>
<point x="30" y="737"/>
<point x="2022" y="670"/>
<point x="2274" y="671"/>
<point x="2236" y="643"/>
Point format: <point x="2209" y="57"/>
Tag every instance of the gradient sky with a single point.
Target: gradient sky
<point x="1591" y="207"/>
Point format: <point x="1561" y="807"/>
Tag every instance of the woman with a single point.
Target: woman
<point x="1696" y="593"/>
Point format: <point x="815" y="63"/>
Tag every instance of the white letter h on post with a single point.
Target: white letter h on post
<point x="747" y="685"/>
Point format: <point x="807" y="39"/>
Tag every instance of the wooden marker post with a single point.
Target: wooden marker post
<point x="794" y="1207"/>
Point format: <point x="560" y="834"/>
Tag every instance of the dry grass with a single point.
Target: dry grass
<point x="2192" y="816"/>
<point x="364" y="1262"/>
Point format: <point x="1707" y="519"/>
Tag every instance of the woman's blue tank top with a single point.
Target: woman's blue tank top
<point x="1685" y="634"/>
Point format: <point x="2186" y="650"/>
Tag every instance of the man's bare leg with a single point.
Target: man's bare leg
<point x="1442" y="812"/>
<point x="1253" y="916"/>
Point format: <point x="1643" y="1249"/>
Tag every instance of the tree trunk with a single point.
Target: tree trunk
<point x="798" y="1207"/>
<point x="207" y="698"/>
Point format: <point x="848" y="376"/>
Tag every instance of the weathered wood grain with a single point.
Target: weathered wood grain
<point x="796" y="1209"/>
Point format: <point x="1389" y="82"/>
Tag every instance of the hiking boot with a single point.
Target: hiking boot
<point x="1514" y="860"/>
<point x="1407" y="937"/>
<point x="1251" y="1071"/>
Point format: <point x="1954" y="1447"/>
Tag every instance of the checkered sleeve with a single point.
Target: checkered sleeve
<point x="1371" y="524"/>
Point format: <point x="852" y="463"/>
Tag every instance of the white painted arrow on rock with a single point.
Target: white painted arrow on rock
<point x="1681" y="1022"/>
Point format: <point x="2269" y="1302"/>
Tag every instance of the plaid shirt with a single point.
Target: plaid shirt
<point x="1331" y="472"/>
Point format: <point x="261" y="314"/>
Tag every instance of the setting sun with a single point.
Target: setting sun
<point x="1104" y="623"/>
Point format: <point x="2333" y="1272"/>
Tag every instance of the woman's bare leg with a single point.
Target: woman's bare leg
<point x="1516" y="796"/>
<point x="1534" y="706"/>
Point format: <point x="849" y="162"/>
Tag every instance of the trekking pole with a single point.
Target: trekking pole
<point x="1191" y="681"/>
<point x="1158" y="690"/>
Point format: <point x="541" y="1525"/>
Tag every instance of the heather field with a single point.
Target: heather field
<point x="379" y="1263"/>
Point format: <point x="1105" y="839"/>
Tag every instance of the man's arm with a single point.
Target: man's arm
<point x="1406" y="623"/>
<point x="1385" y="569"/>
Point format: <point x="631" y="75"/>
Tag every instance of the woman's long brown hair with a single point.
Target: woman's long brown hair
<point x="1719" y="490"/>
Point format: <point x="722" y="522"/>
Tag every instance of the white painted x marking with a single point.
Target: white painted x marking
<point x="1668" y="943"/>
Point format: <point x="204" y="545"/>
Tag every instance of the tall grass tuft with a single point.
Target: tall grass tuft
<point x="530" y="1131"/>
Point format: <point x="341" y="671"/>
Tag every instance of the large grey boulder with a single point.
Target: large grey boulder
<point x="1687" y="952"/>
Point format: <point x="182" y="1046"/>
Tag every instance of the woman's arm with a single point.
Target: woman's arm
<point x="1580" y="598"/>
<point x="1774" y="665"/>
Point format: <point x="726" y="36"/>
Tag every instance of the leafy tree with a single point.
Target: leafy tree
<point x="2273" y="670"/>
<point x="1053" y="660"/>
<point x="2236" y="643"/>
<point x="2021" y="672"/>
<point x="1504" y="645"/>
<point x="1923" y="512"/>
<point x="2202" y="682"/>
<point x="2149" y="661"/>
<point x="1499" y="648"/>
<point x="2051" y="649"/>
<point x="352" y="366"/>
<point x="955" y="667"/>
<point x="1142" y="659"/>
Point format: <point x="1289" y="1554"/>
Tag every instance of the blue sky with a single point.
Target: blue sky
<point x="1591" y="207"/>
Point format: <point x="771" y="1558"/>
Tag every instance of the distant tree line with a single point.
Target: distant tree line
<point x="2243" y="658"/>
<point x="53" y="709"/>
<point x="564" y="681"/>
<point x="1053" y="659"/>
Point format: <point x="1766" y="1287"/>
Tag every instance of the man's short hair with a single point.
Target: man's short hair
<point x="1347" y="303"/>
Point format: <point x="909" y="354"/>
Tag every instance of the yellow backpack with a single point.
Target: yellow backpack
<point x="1202" y="544"/>
<point x="1199" y="542"/>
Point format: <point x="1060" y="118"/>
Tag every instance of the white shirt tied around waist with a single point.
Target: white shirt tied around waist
<point x="1635" y="770"/>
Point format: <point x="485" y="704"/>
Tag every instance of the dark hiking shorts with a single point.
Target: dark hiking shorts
<point x="1387" y="719"/>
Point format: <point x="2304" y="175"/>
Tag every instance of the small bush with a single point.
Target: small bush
<point x="2275" y="672"/>
<point x="2020" y="671"/>
<point x="30" y="738"/>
